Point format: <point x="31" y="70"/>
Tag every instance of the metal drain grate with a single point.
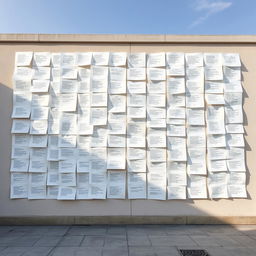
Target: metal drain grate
<point x="194" y="253"/>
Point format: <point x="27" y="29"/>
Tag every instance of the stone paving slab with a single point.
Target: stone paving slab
<point x="127" y="240"/>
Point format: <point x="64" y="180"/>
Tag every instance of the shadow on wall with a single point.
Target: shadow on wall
<point x="76" y="212"/>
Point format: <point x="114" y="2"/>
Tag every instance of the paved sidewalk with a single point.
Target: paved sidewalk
<point x="127" y="240"/>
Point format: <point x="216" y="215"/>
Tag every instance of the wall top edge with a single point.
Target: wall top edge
<point x="125" y="38"/>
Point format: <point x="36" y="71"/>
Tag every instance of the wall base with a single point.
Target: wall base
<point x="129" y="220"/>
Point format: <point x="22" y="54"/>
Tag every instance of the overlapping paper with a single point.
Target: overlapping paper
<point x="97" y="125"/>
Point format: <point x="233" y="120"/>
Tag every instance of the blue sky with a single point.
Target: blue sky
<point x="128" y="16"/>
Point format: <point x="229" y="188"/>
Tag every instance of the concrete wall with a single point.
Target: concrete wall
<point x="188" y="211"/>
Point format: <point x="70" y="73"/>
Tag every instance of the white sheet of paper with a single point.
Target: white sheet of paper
<point x="236" y="178"/>
<point x="175" y="58"/>
<point x="234" y="128"/>
<point x="21" y="98"/>
<point x="20" y="152"/>
<point x="217" y="153"/>
<point x="19" y="165"/>
<point x="19" y="185"/>
<point x="100" y="58"/>
<point x="216" y="140"/>
<point x="176" y="166"/>
<point x="68" y="123"/>
<point x="197" y="187"/>
<point x="98" y="116"/>
<point x="213" y="87"/>
<point x="235" y="140"/>
<point x="117" y="59"/>
<point x="233" y="98"/>
<point x="237" y="191"/>
<point x="157" y="168"/>
<point x="234" y="86"/>
<point x="83" y="58"/>
<point x="39" y="113"/>
<point x="67" y="141"/>
<point x="136" y="74"/>
<point x="117" y="103"/>
<point x="218" y="191"/>
<point x="176" y="100"/>
<point x="38" y="127"/>
<point x="136" y="87"/>
<point x="138" y="165"/>
<point x="177" y="178"/>
<point x="136" y="153"/>
<point x="83" y="165"/>
<point x="196" y="139"/>
<point x="176" y="192"/>
<point x="234" y="114"/>
<point x="195" y="116"/>
<point x="194" y="100"/>
<point x="67" y="166"/>
<point x="156" y="74"/>
<point x="212" y="59"/>
<point x="236" y="165"/>
<point x="156" y="100"/>
<point x="66" y="193"/>
<point x="98" y="160"/>
<point x="67" y="179"/>
<point x="40" y="100"/>
<point x="231" y="59"/>
<point x="116" y="158"/>
<point x="156" y="87"/>
<point x="176" y="112"/>
<point x="217" y="166"/>
<point x="67" y="153"/>
<point x="137" y="60"/>
<point x="195" y="73"/>
<point x="194" y="59"/>
<point x="137" y="186"/>
<point x="68" y="101"/>
<point x="156" y="141"/>
<point x="52" y="179"/>
<point x="116" y="128"/>
<point x="117" y="74"/>
<point x="52" y="192"/>
<point x="216" y="127"/>
<point x="176" y="70"/>
<point x="157" y="123"/>
<point x="156" y="60"/>
<point x="215" y="99"/>
<point x="21" y="85"/>
<point x="195" y="86"/>
<point x="232" y="74"/>
<point x="156" y="155"/>
<point x="116" y="141"/>
<point x="213" y="73"/>
<point x="156" y="186"/>
<point x="21" y="140"/>
<point x="136" y="112"/>
<point x="156" y="113"/>
<point x="116" y="185"/>
<point x="22" y="75"/>
<point x="41" y="73"/>
<point x="136" y="100"/>
<point x="23" y="58"/>
<point x="176" y="85"/>
<point x="21" y="111"/>
<point x="38" y="141"/>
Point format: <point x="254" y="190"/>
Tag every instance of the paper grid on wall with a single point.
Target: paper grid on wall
<point x="116" y="125"/>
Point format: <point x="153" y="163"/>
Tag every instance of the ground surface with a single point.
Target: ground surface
<point x="131" y="240"/>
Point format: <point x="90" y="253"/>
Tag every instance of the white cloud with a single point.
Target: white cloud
<point x="209" y="7"/>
